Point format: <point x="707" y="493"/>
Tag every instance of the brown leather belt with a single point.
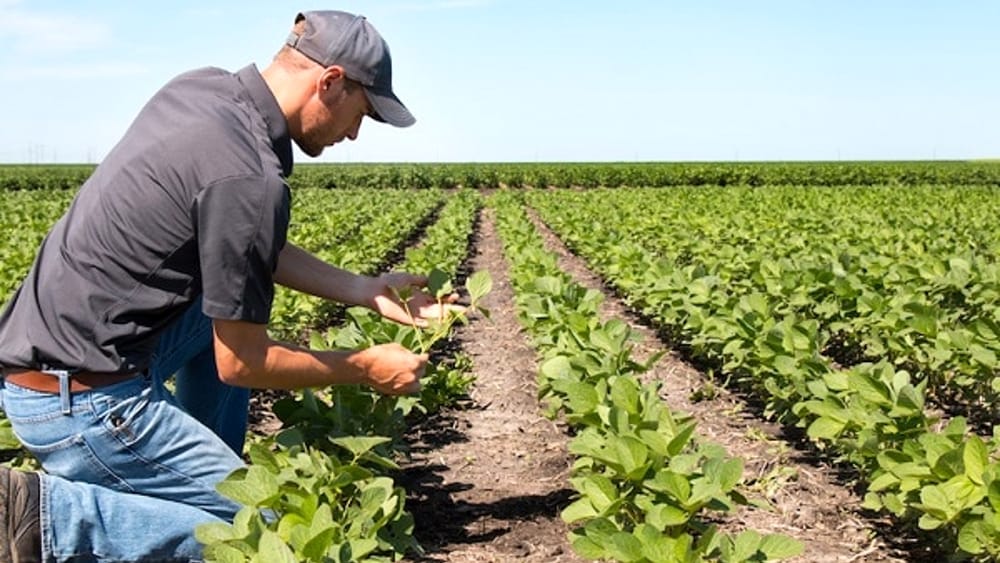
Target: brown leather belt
<point x="48" y="383"/>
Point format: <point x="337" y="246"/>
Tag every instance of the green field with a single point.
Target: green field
<point x="858" y="303"/>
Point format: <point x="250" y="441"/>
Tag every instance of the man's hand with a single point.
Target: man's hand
<point x="391" y="369"/>
<point x="421" y="306"/>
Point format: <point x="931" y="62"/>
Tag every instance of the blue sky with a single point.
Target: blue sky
<point x="499" y="80"/>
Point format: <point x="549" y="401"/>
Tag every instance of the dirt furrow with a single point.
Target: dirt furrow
<point x="487" y="483"/>
<point x="807" y="501"/>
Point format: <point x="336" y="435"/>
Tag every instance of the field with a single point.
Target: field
<point x="672" y="362"/>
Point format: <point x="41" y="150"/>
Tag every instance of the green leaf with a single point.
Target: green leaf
<point x="439" y="283"/>
<point x="780" y="546"/>
<point x="671" y="483"/>
<point x="587" y="548"/>
<point x="625" y="394"/>
<point x="974" y="458"/>
<point x="934" y="501"/>
<point x="746" y="544"/>
<point x="359" y="445"/>
<point x="214" y="532"/>
<point x="872" y="501"/>
<point x="786" y="365"/>
<point x="928" y="522"/>
<point x="580" y="509"/>
<point x="993" y="495"/>
<point x="581" y="398"/>
<point x="273" y="550"/>
<point x="254" y="486"/>
<point x="663" y="516"/>
<point x="825" y="428"/>
<point x="557" y="367"/>
<point x="883" y="482"/>
<point x="478" y="285"/>
<point x="656" y="546"/>
<point x="222" y="553"/>
<point x="600" y="490"/>
<point x="625" y="547"/>
<point x="969" y="538"/>
<point x="730" y="473"/>
<point x="894" y="504"/>
<point x="373" y="495"/>
<point x="681" y="440"/>
<point x="984" y="356"/>
<point x="362" y="547"/>
<point x="321" y="533"/>
<point x="871" y="389"/>
<point x="632" y="454"/>
<point x="264" y="457"/>
<point x="548" y="285"/>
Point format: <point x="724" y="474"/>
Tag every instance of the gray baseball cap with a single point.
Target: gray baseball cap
<point x="338" y="38"/>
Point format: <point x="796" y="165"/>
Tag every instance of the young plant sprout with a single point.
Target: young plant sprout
<point x="439" y="285"/>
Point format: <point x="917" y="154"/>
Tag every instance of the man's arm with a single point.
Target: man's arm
<point x="247" y="357"/>
<point x="302" y="271"/>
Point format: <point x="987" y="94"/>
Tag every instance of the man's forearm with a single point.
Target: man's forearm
<point x="247" y="357"/>
<point x="285" y="366"/>
<point x="302" y="271"/>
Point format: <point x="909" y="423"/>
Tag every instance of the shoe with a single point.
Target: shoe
<point x="20" y="517"/>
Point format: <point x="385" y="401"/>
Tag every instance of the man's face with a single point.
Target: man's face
<point x="334" y="114"/>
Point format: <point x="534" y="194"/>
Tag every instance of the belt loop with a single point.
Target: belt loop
<point x="65" y="399"/>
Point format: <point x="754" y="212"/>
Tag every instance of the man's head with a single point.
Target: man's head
<point x="349" y="72"/>
<point x="338" y="38"/>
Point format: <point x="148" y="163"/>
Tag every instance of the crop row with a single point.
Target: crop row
<point x="322" y="490"/>
<point x="648" y="488"/>
<point x="763" y="327"/>
<point x="612" y="174"/>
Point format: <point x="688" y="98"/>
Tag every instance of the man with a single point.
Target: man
<point x="165" y="265"/>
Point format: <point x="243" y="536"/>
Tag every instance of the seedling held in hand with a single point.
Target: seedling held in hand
<point x="439" y="285"/>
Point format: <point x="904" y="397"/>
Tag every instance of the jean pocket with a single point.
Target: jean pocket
<point x="123" y="417"/>
<point x="74" y="459"/>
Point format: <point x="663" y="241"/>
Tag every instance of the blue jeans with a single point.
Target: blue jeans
<point x="131" y="471"/>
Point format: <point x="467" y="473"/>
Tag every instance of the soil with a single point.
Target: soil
<point x="487" y="482"/>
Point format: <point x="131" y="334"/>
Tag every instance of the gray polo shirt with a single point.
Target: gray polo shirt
<point x="191" y="202"/>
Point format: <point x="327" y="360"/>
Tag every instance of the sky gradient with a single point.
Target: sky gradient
<point x="498" y="80"/>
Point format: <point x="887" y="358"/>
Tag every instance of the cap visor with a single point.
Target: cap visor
<point x="388" y="109"/>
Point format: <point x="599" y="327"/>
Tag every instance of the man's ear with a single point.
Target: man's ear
<point x="329" y="76"/>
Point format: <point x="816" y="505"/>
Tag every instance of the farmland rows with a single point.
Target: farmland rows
<point x="907" y="275"/>
<point x="709" y="275"/>
<point x="654" y="174"/>
<point x="867" y="318"/>
<point x="646" y="484"/>
<point x="806" y="498"/>
<point x="322" y="490"/>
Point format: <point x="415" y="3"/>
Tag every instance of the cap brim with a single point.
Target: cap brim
<point x="388" y="109"/>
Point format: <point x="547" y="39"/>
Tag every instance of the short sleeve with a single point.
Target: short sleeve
<point x="242" y="225"/>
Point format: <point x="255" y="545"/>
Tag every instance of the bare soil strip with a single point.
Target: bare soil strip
<point x="808" y="501"/>
<point x="487" y="483"/>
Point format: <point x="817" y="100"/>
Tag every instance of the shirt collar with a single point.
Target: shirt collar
<point x="267" y="105"/>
